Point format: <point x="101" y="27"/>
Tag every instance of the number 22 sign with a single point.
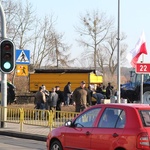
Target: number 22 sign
<point x="143" y="68"/>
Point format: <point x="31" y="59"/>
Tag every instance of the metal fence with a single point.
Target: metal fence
<point x="35" y="117"/>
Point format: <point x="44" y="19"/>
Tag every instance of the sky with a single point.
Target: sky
<point x="134" y="18"/>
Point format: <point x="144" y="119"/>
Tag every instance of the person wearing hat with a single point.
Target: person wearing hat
<point x="80" y="97"/>
<point x="67" y="93"/>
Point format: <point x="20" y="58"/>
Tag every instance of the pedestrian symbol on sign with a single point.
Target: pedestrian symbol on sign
<point x="22" y="58"/>
<point x="22" y="70"/>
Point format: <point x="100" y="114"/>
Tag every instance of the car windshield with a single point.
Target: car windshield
<point x="145" y="116"/>
<point x="87" y="119"/>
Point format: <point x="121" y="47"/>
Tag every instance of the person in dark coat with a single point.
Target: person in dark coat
<point x="46" y="92"/>
<point x="67" y="93"/>
<point x="99" y="88"/>
<point x="109" y="90"/>
<point x="40" y="101"/>
<point x="89" y="95"/>
<point x="80" y="97"/>
<point x="60" y="100"/>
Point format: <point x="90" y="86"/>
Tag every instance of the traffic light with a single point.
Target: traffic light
<point x="7" y="56"/>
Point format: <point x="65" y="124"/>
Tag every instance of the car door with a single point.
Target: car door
<point x="105" y="135"/>
<point x="79" y="136"/>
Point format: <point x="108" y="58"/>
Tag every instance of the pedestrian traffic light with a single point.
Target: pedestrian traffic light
<point x="7" y="56"/>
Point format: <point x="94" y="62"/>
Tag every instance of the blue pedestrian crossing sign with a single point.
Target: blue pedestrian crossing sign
<point x="22" y="56"/>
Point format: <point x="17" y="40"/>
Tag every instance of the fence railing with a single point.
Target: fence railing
<point x="37" y="117"/>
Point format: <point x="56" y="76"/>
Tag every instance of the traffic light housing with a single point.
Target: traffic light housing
<point x="7" y="56"/>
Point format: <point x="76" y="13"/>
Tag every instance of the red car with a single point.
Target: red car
<point x="105" y="127"/>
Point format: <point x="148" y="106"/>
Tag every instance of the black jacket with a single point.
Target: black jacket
<point x="67" y="89"/>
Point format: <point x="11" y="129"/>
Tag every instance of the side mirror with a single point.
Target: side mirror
<point x="68" y="123"/>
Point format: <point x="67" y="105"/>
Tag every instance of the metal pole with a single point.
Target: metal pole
<point x="142" y="80"/>
<point x="118" y="56"/>
<point x="3" y="76"/>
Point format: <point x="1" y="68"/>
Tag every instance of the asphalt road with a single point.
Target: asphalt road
<point x="13" y="143"/>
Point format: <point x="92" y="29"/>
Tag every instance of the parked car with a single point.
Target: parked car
<point x="11" y="89"/>
<point x="105" y="127"/>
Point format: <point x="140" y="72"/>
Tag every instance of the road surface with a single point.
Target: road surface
<point x="12" y="143"/>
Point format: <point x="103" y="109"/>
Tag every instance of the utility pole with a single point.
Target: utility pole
<point x="118" y="56"/>
<point x="3" y="75"/>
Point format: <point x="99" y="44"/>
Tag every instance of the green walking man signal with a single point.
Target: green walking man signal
<point x="7" y="56"/>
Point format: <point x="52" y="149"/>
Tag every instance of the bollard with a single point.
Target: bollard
<point x="50" y="119"/>
<point x="21" y="119"/>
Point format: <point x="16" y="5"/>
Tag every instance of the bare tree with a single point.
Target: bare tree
<point x="111" y="51"/>
<point x="38" y="35"/>
<point x="48" y="47"/>
<point x="35" y="34"/>
<point x="10" y="13"/>
<point x="19" y="19"/>
<point x="93" y="31"/>
<point x="62" y="57"/>
<point x="98" y="35"/>
<point x="84" y="61"/>
<point x="42" y="41"/>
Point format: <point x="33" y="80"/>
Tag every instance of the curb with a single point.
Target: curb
<point x="24" y="135"/>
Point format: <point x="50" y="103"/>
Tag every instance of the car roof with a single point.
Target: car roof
<point x="132" y="105"/>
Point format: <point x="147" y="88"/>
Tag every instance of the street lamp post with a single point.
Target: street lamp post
<point x="118" y="56"/>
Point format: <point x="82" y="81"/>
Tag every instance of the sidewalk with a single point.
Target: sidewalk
<point x="29" y="131"/>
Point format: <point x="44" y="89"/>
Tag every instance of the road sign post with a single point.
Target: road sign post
<point x="142" y="68"/>
<point x="4" y="76"/>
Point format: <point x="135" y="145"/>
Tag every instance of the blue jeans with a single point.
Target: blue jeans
<point x="67" y="100"/>
<point x="98" y="97"/>
<point x="42" y="113"/>
<point x="42" y="106"/>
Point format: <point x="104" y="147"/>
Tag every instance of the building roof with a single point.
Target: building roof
<point x="64" y="70"/>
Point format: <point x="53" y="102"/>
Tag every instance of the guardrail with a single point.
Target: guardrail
<point x="37" y="117"/>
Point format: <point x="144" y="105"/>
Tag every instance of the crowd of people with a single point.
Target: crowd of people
<point x="81" y="97"/>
